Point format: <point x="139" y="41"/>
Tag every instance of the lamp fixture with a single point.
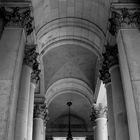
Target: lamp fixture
<point x="69" y="136"/>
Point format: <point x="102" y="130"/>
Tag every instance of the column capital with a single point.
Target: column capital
<point x="99" y="111"/>
<point x="110" y="57"/>
<point x="31" y="55"/>
<point x="104" y="74"/>
<point x="35" y="75"/>
<point x="124" y="17"/>
<point x="41" y="111"/>
<point x="17" y="16"/>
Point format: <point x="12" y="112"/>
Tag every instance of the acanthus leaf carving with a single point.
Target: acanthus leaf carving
<point x="17" y="16"/>
<point x="41" y="111"/>
<point x="99" y="111"/>
<point x="124" y="17"/>
<point x="110" y="56"/>
<point x="104" y="74"/>
<point x="31" y="55"/>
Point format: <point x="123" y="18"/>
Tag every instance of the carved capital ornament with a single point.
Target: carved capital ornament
<point x="110" y="56"/>
<point x="124" y="17"/>
<point x="99" y="111"/>
<point x="41" y="111"/>
<point x="104" y="74"/>
<point x="17" y="16"/>
<point x="31" y="55"/>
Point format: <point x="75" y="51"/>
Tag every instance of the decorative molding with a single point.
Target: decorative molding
<point x="31" y="60"/>
<point x="124" y="17"/>
<point x="17" y="16"/>
<point x="41" y="111"/>
<point x="110" y="56"/>
<point x="98" y="111"/>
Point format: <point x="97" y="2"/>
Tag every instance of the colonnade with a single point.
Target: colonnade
<point x="119" y="72"/>
<point x="19" y="76"/>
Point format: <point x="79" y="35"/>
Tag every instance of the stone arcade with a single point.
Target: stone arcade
<point x="58" y="51"/>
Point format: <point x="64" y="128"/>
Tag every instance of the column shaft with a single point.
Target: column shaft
<point x="129" y="56"/>
<point x="30" y="112"/>
<point x="98" y="116"/>
<point x="40" y="118"/>
<point x="38" y="129"/>
<point x="101" y="129"/>
<point x="110" y="113"/>
<point x="121" y="124"/>
<point x="23" y="101"/>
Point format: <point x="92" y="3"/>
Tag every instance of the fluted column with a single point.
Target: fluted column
<point x="24" y="93"/>
<point x="99" y="114"/>
<point x="124" y="26"/>
<point x="39" y="123"/>
<point x="105" y="77"/>
<point x="119" y="107"/>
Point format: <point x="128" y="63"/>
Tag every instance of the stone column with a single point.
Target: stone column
<point x="105" y="77"/>
<point x="24" y="93"/>
<point x="99" y="113"/>
<point x="30" y="111"/>
<point x="124" y="25"/>
<point x="12" y="41"/>
<point x="39" y="123"/>
<point x="34" y="80"/>
<point x="119" y="107"/>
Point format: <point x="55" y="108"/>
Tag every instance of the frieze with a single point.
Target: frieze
<point x="124" y="17"/>
<point x="17" y="16"/>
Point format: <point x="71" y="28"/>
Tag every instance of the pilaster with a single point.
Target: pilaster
<point x="125" y="25"/>
<point x="30" y="60"/>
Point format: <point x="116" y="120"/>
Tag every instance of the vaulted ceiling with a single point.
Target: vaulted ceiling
<point x="70" y="37"/>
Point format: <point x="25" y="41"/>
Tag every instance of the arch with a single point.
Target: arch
<point x="69" y="85"/>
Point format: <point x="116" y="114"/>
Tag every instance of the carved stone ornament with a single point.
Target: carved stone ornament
<point x="41" y="111"/>
<point x="17" y="16"/>
<point x="124" y="17"/>
<point x="110" y="56"/>
<point x="99" y="111"/>
<point x="104" y="74"/>
<point x="35" y="75"/>
<point x="31" y="55"/>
